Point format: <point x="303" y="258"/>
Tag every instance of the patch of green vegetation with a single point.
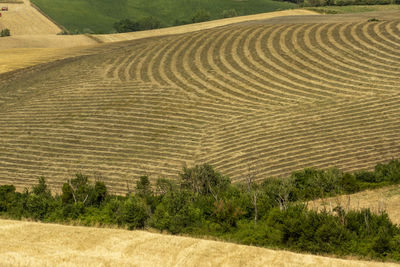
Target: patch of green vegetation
<point x="204" y="203"/>
<point x="353" y="9"/>
<point x="5" y="33"/>
<point x="99" y="16"/>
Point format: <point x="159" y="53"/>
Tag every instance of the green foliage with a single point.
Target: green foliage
<point x="204" y="180"/>
<point x="230" y="13"/>
<point x="176" y="212"/>
<point x="205" y="202"/>
<point x="133" y="213"/>
<point x="100" y="15"/>
<point x="7" y="197"/>
<point x="5" y="32"/>
<point x="226" y="214"/>
<point x="143" y="186"/>
<point x="146" y="23"/>
<point x="201" y="15"/>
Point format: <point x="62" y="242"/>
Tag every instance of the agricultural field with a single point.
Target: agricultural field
<point x="23" y="19"/>
<point x="36" y="244"/>
<point x="34" y="39"/>
<point x="278" y="94"/>
<point x="99" y="16"/>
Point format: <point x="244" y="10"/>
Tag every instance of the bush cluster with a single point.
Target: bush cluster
<point x="5" y="32"/>
<point x="204" y="202"/>
<point x="146" y="23"/>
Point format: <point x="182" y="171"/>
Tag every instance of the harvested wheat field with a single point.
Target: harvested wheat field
<point x="36" y="244"/>
<point x="23" y="19"/>
<point x="378" y="200"/>
<point x="280" y="94"/>
<point x="199" y="26"/>
<point x="33" y="39"/>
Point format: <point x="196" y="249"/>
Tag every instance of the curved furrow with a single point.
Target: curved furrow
<point x="259" y="74"/>
<point x="214" y="58"/>
<point x="393" y="30"/>
<point x="244" y="133"/>
<point x="376" y="33"/>
<point x="279" y="145"/>
<point x="269" y="50"/>
<point x="124" y="69"/>
<point x="133" y="69"/>
<point x="176" y="69"/>
<point x="322" y="38"/>
<point x="119" y="72"/>
<point x="358" y="35"/>
<point x="158" y="63"/>
<point x="207" y="72"/>
<point x="304" y="53"/>
<point x="229" y="63"/>
<point x="260" y="63"/>
<point x="191" y="63"/>
<point x="137" y="71"/>
<point x="239" y="51"/>
<point x="341" y="36"/>
<point x="308" y="154"/>
<point x="306" y="70"/>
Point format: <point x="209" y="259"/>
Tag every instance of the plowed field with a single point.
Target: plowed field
<point x="281" y="94"/>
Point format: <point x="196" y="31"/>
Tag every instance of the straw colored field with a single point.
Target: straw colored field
<point x="280" y="96"/>
<point x="23" y="19"/>
<point x="198" y="26"/>
<point x="35" y="244"/>
<point x="17" y="52"/>
<point x="383" y="199"/>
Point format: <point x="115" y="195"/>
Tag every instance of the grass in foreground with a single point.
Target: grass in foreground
<point x="35" y="244"/>
<point x="99" y="16"/>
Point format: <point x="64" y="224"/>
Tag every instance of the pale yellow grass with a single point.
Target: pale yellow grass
<point x="199" y="26"/>
<point x="25" y="57"/>
<point x="36" y="244"/>
<point x="23" y="19"/>
<point x="383" y="199"/>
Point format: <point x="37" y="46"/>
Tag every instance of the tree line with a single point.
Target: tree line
<point x="204" y="202"/>
<point x="150" y="22"/>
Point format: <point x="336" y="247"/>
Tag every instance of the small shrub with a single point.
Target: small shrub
<point x="201" y="15"/>
<point x="5" y="32"/>
<point x="229" y="13"/>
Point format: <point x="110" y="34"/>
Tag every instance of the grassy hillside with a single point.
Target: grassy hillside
<point x="99" y="15"/>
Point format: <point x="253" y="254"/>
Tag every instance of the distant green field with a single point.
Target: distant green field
<point x="99" y="15"/>
<point x="353" y="9"/>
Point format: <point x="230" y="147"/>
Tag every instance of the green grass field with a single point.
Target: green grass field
<point x="353" y="9"/>
<point x="99" y="15"/>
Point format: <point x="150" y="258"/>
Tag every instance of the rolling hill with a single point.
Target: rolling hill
<point x="99" y="16"/>
<point x="279" y="94"/>
<point x="35" y="244"/>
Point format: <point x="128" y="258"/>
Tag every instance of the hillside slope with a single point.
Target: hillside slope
<point x="35" y="244"/>
<point x="279" y="95"/>
<point x="99" y="16"/>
